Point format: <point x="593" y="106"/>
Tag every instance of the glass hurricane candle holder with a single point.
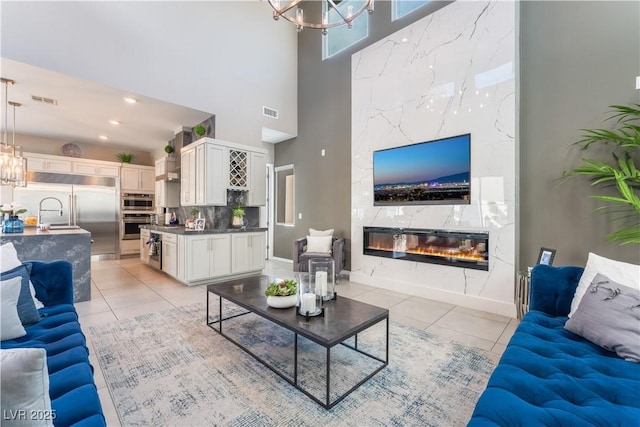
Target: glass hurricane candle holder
<point x="309" y="301"/>
<point x="321" y="274"/>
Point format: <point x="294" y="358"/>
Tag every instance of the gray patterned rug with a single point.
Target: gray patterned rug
<point x="170" y="369"/>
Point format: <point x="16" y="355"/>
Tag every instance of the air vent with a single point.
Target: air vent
<point x="44" y="100"/>
<point x="270" y="112"/>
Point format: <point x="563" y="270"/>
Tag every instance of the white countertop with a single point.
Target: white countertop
<point x="35" y="231"/>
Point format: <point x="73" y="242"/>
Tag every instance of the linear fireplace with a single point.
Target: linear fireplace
<point x="455" y="248"/>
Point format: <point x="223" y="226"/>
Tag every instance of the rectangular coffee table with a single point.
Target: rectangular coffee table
<point x="343" y="318"/>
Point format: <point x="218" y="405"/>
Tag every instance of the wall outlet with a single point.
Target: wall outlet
<point x="300" y="215"/>
<point x="322" y="152"/>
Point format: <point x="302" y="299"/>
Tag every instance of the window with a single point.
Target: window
<point x="400" y="8"/>
<point x="341" y="37"/>
<point x="285" y="195"/>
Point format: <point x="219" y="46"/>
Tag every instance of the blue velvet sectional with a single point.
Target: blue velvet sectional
<point x="549" y="376"/>
<point x="74" y="396"/>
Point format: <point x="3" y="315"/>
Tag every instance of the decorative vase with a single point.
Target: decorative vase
<point x="13" y="225"/>
<point x="237" y="221"/>
<point x="282" y="302"/>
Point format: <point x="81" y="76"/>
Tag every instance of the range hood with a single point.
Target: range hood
<point x="169" y="176"/>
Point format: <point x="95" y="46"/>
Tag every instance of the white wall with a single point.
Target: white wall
<point x="228" y="58"/>
<point x="455" y="74"/>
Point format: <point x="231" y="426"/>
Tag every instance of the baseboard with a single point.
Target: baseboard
<point x="289" y="261"/>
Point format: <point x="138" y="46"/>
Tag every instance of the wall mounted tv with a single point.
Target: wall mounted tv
<point x="428" y="173"/>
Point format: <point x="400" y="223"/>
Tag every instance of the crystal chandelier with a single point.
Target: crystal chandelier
<point x="13" y="166"/>
<point x="345" y="10"/>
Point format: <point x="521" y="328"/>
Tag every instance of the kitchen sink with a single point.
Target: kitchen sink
<point x="64" y="227"/>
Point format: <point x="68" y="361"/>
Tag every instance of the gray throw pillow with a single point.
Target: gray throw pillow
<point x="609" y="316"/>
<point x="26" y="308"/>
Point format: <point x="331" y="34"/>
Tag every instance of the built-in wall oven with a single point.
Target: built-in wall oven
<point x="137" y="202"/>
<point x="131" y="222"/>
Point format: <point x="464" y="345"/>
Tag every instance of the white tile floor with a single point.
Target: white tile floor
<point x="126" y="288"/>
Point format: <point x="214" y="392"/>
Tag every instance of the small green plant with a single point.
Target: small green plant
<point x="200" y="130"/>
<point x="168" y="149"/>
<point x="195" y="211"/>
<point x="282" y="288"/>
<point x="238" y="211"/>
<point x="125" y="157"/>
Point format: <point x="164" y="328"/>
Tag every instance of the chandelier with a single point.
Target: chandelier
<point x="13" y="166"/>
<point x="345" y="11"/>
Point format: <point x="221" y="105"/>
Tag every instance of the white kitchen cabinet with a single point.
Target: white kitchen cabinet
<point x="170" y="254"/>
<point x="247" y="252"/>
<point x="207" y="256"/>
<point x="257" y="195"/>
<point x="129" y="247"/>
<point x="202" y="175"/>
<point x="96" y="168"/>
<point x="44" y="163"/>
<point x="137" y="178"/>
<point x="144" y="248"/>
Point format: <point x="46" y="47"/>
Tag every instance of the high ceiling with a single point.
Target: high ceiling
<point x="83" y="110"/>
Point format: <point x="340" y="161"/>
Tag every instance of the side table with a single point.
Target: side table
<point x="522" y="293"/>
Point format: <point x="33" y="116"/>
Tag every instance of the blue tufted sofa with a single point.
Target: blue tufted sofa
<point x="74" y="396"/>
<point x="549" y="376"/>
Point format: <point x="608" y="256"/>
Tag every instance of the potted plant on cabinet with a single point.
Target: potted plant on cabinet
<point x="200" y="130"/>
<point x="168" y="149"/>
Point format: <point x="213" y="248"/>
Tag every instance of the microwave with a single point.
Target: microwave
<point x="137" y="202"/>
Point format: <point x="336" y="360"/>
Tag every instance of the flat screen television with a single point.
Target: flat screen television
<point x="434" y="172"/>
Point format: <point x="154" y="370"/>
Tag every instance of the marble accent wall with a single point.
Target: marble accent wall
<point x="451" y="73"/>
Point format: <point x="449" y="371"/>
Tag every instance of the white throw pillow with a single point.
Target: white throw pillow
<point x="8" y="257"/>
<point x="319" y="244"/>
<point x="25" y="388"/>
<point x="8" y="261"/>
<point x="10" y="326"/>
<point x="314" y="232"/>
<point x="617" y="271"/>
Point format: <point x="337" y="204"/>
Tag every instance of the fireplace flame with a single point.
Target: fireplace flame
<point x="433" y="251"/>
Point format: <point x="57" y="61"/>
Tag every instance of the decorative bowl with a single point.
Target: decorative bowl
<point x="282" y="302"/>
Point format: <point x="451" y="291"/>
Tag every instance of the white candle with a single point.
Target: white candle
<point x="321" y="282"/>
<point x="308" y="303"/>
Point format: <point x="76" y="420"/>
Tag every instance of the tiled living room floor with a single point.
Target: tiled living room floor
<point x="127" y="288"/>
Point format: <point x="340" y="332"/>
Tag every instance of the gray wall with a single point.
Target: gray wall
<point x="323" y="184"/>
<point x="577" y="58"/>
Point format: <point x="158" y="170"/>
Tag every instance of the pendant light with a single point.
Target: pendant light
<point x="13" y="166"/>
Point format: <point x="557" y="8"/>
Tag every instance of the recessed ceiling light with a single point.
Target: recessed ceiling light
<point x="130" y="100"/>
<point x="103" y="137"/>
<point x="114" y="122"/>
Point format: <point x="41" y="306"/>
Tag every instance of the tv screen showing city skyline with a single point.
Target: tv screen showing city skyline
<point x="431" y="172"/>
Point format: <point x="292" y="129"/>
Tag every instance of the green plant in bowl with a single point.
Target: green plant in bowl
<point x="238" y="211"/>
<point x="281" y="288"/>
<point x="168" y="149"/>
<point x="125" y="157"/>
<point x="200" y="130"/>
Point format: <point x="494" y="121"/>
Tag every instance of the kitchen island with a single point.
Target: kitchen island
<point x="211" y="255"/>
<point x="73" y="245"/>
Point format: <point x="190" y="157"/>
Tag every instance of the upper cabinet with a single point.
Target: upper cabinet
<point x="45" y="163"/>
<point x="138" y="178"/>
<point x="210" y="167"/>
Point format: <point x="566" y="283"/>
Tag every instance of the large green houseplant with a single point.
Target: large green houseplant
<point x="621" y="172"/>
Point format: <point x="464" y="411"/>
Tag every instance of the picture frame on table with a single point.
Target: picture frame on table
<point x="200" y="223"/>
<point x="546" y="256"/>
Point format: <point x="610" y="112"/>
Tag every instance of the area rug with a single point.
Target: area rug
<point x="170" y="369"/>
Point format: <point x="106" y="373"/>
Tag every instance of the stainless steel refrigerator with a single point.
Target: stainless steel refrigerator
<point x="90" y="202"/>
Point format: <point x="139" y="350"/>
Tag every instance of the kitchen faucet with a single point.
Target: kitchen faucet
<point x="40" y="210"/>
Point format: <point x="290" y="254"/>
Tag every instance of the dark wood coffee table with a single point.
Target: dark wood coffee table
<point x="343" y="318"/>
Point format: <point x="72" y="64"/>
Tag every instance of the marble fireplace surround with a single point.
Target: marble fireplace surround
<point x="450" y="73"/>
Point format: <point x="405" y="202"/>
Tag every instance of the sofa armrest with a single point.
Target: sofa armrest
<point x="53" y="281"/>
<point x="298" y="249"/>
<point x="552" y="288"/>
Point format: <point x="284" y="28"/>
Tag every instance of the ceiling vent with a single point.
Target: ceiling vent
<point x="44" y="100"/>
<point x="270" y="112"/>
